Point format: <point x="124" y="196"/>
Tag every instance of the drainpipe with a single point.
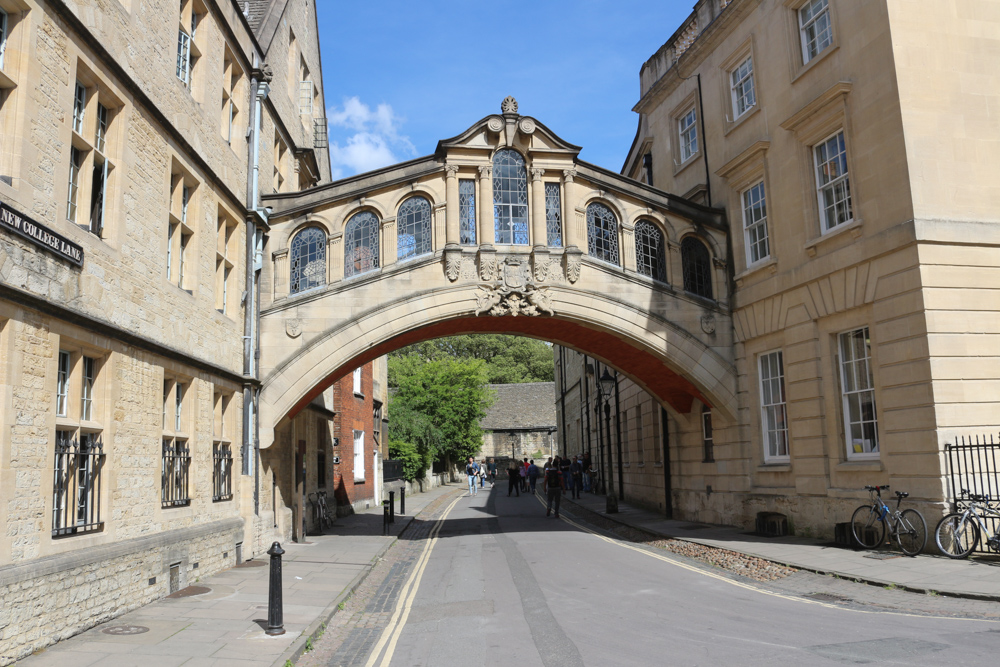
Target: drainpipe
<point x="562" y="397"/>
<point x="618" y="435"/>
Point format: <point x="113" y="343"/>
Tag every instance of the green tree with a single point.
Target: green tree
<point x="509" y="359"/>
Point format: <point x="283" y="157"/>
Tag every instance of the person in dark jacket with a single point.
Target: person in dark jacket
<point x="553" y="487"/>
<point x="514" y="478"/>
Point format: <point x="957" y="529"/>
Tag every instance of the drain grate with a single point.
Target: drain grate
<point x="189" y="591"/>
<point x="122" y="630"/>
<point x="827" y="597"/>
<point x="882" y="555"/>
<point x="252" y="563"/>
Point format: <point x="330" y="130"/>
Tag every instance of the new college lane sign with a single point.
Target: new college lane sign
<point x="40" y="235"/>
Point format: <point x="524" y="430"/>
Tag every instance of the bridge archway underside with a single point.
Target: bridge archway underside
<point x="671" y="344"/>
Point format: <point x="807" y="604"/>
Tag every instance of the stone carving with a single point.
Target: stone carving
<point x="293" y="328"/>
<point x="486" y="171"/>
<point x="708" y="324"/>
<point x="515" y="274"/>
<point x="536" y="174"/>
<point x="498" y="300"/>
<point x="469" y="269"/>
<point x="542" y="269"/>
<point x="527" y="125"/>
<point x="509" y="105"/>
<point x="450" y="170"/>
<point x="495" y="123"/>
<point x="487" y="266"/>
<point x="573" y="264"/>
<point x="453" y="265"/>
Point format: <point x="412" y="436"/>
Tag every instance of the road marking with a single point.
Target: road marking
<point x="395" y="627"/>
<point x="749" y="587"/>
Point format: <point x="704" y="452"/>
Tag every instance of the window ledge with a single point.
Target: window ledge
<point x="862" y="465"/>
<point x="781" y="466"/>
<point x="769" y="263"/>
<point x="854" y="227"/>
<point x="733" y="124"/>
<point x="681" y="166"/>
<point x="817" y="59"/>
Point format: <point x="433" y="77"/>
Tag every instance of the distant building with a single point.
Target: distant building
<point x="521" y="422"/>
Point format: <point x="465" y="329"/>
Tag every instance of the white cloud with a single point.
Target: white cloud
<point x="372" y="139"/>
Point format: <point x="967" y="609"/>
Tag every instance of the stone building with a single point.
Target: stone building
<point x="856" y="175"/>
<point x="135" y="142"/>
<point x="521" y="421"/>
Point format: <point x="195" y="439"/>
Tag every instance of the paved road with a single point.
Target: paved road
<point x="503" y="585"/>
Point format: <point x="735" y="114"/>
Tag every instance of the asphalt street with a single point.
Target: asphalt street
<point x="493" y="581"/>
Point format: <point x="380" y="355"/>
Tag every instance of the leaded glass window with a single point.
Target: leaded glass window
<point x="467" y="211"/>
<point x="413" y="225"/>
<point x="361" y="244"/>
<point x="553" y="215"/>
<point x="602" y="233"/>
<point x="307" y="258"/>
<point x="650" y="254"/>
<point x="697" y="267"/>
<point x="510" y="197"/>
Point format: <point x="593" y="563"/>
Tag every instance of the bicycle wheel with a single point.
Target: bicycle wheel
<point x="868" y="529"/>
<point x="911" y="532"/>
<point x="956" y="535"/>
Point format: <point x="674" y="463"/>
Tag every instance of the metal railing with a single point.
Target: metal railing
<point x="174" y="481"/>
<point x="973" y="466"/>
<point x="392" y="470"/>
<point x="76" y="485"/>
<point x="222" y="472"/>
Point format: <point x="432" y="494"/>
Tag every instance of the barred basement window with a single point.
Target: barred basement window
<point x="76" y="485"/>
<point x="222" y="472"/>
<point x="697" y="267"/>
<point x="510" y="197"/>
<point x="413" y="228"/>
<point x="361" y="247"/>
<point x="602" y="233"/>
<point x="307" y="258"/>
<point x="467" y="211"/>
<point x="650" y="254"/>
<point x="553" y="215"/>
<point x="174" y="480"/>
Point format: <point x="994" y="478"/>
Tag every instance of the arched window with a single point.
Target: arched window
<point x="307" y="258"/>
<point x="510" y="197"/>
<point x="650" y="257"/>
<point x="602" y="233"/>
<point x="697" y="266"/>
<point x="360" y="244"/>
<point x="413" y="228"/>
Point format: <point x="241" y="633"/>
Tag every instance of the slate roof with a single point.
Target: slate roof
<point x="530" y="406"/>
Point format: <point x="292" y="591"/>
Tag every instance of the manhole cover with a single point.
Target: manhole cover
<point x="125" y="630"/>
<point x="252" y="563"/>
<point x="189" y="591"/>
<point x="827" y="597"/>
<point x="694" y="526"/>
<point x="882" y="555"/>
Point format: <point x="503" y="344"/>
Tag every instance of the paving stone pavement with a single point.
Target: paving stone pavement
<point x="225" y="625"/>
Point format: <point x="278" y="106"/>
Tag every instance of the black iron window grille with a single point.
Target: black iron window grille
<point x="602" y="233"/>
<point x="76" y="486"/>
<point x="510" y="197"/>
<point x="413" y="228"/>
<point x="307" y="260"/>
<point x="553" y="215"/>
<point x="650" y="254"/>
<point x="467" y="211"/>
<point x="222" y="472"/>
<point x="697" y="267"/>
<point x="361" y="244"/>
<point x="174" y="480"/>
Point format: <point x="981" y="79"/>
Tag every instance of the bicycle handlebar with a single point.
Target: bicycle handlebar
<point x="877" y="488"/>
<point x="975" y="497"/>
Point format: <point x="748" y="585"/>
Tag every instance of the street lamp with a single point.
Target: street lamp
<point x="513" y="440"/>
<point x="607" y="385"/>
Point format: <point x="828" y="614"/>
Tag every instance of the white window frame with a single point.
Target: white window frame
<point x="356" y="376"/>
<point x="687" y="133"/>
<point x="742" y="88"/>
<point x="755" y="223"/>
<point x="773" y="406"/>
<point x="89" y="365"/>
<point x="184" y="58"/>
<point x="305" y="97"/>
<point x="707" y="435"/>
<point x="65" y="367"/>
<point x="75" y="164"/>
<point x="3" y="35"/>
<point x="178" y="391"/>
<point x="359" y="456"/>
<point x="101" y="131"/>
<point x="857" y="383"/>
<point x="838" y="186"/>
<point x="79" y="107"/>
<point x="810" y="15"/>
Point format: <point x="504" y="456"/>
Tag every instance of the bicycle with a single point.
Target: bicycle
<point x="958" y="533"/>
<point x="321" y="517"/>
<point x="869" y="522"/>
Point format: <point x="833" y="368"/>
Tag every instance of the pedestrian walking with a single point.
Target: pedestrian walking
<point x="532" y="475"/>
<point x="491" y="466"/>
<point x="523" y="472"/>
<point x="514" y="479"/>
<point x="576" y="476"/>
<point x="587" y="468"/>
<point x="472" y="470"/>
<point x="552" y="487"/>
<point x="482" y="475"/>
<point x="564" y="464"/>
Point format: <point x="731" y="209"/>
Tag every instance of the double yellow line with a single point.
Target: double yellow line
<point x="395" y="628"/>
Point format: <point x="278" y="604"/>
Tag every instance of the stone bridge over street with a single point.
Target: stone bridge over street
<point x="502" y="230"/>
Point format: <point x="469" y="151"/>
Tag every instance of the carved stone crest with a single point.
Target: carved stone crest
<point x="514" y="273"/>
<point x="293" y="328"/>
<point x="708" y="324"/>
<point x="498" y="300"/>
<point x="509" y="105"/>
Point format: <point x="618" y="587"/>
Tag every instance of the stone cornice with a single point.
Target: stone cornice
<point x="828" y="98"/>
<point x="756" y="151"/>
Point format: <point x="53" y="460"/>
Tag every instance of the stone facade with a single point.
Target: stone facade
<point x="520" y="422"/>
<point x="129" y="206"/>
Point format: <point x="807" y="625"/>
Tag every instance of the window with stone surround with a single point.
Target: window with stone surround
<point x="361" y="244"/>
<point x="377" y="422"/>
<point x="12" y="60"/>
<point x="189" y="52"/>
<point x="650" y="251"/>
<point x="467" y="211"/>
<point x="79" y="449"/>
<point x="413" y="228"/>
<point x="687" y="132"/>
<point x="833" y="184"/>
<point x="359" y="457"/>
<point x="222" y="447"/>
<point x="755" y="223"/>
<point x="356" y="382"/>
<point x="553" y="215"/>
<point x="602" y="233"/>
<point x="3" y="36"/>
<point x="510" y="197"/>
<point x="857" y="386"/>
<point x="282" y="165"/>
<point x="696" y="265"/>
<point x="231" y="122"/>
<point x="227" y="250"/>
<point x="741" y="88"/>
<point x="176" y="455"/>
<point x="815" y="28"/>
<point x="181" y="225"/>
<point x="773" y="416"/>
<point x="307" y="260"/>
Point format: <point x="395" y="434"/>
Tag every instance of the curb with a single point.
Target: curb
<point x="963" y="595"/>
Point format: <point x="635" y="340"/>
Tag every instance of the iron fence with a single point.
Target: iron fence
<point x="176" y="465"/>
<point x="392" y="470"/>
<point x="222" y="472"/>
<point x="76" y="487"/>
<point x="973" y="467"/>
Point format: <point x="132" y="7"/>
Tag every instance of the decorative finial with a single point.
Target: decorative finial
<point x="509" y="105"/>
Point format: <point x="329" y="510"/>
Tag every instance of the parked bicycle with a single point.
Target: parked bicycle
<point x="907" y="527"/>
<point x="321" y="516"/>
<point x="958" y="533"/>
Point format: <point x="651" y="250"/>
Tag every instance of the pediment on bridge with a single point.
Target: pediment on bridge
<point x="508" y="129"/>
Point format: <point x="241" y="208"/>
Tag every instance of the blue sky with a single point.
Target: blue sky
<point x="399" y="76"/>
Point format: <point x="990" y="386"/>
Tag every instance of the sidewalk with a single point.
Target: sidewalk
<point x="220" y="620"/>
<point x="977" y="578"/>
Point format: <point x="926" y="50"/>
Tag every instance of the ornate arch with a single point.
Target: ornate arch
<point x="650" y="250"/>
<point x="414" y="235"/>
<point x="696" y="265"/>
<point x="361" y="243"/>
<point x="307" y="259"/>
<point x="602" y="233"/>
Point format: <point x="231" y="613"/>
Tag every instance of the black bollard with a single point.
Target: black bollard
<point x="385" y="517"/>
<point x="402" y="500"/>
<point x="275" y="615"/>
<point x="392" y="507"/>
